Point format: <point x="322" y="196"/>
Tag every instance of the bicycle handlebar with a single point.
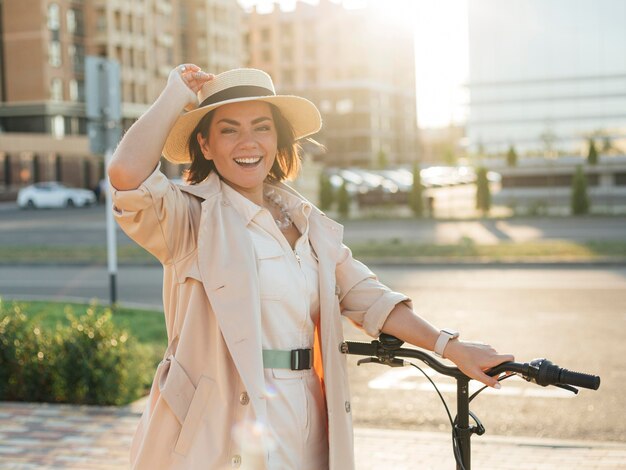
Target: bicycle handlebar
<point x="543" y="372"/>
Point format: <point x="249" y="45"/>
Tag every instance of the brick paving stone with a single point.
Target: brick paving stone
<point x="64" y="437"/>
<point x="9" y="450"/>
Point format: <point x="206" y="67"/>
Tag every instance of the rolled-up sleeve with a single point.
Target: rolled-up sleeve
<point x="362" y="297"/>
<point x="156" y="216"/>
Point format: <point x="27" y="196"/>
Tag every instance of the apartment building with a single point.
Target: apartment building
<point x="42" y="79"/>
<point x="545" y="75"/>
<point x="356" y="67"/>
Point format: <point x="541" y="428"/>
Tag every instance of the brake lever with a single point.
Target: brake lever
<point x="392" y="362"/>
<point x="568" y="388"/>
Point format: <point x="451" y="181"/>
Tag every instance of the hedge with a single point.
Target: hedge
<point x="91" y="361"/>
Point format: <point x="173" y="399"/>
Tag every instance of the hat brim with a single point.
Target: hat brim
<point x="302" y="114"/>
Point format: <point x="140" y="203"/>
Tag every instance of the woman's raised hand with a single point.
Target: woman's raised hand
<point x="193" y="77"/>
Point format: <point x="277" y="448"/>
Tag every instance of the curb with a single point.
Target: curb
<point x="495" y="439"/>
<point x="381" y="261"/>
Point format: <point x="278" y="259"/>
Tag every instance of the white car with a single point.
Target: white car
<point x="53" y="194"/>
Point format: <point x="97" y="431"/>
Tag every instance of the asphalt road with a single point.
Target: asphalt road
<point x="87" y="226"/>
<point x="576" y="317"/>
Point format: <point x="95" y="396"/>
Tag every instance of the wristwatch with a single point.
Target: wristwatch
<point x="444" y="336"/>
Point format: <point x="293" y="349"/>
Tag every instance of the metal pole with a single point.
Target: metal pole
<point x="111" y="240"/>
<point x="462" y="425"/>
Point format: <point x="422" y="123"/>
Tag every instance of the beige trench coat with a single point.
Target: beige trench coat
<point x="212" y="313"/>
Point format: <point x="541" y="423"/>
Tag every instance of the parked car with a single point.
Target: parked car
<point x="54" y="194"/>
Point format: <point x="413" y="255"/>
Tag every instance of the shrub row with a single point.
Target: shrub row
<point x="91" y="361"/>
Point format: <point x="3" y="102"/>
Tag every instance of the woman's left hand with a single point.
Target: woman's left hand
<point x="474" y="358"/>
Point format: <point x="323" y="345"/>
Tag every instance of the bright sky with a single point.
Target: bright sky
<point x="441" y="52"/>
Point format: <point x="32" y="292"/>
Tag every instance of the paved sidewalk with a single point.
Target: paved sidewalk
<point x="44" y="436"/>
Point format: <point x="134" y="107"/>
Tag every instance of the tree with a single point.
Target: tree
<point x="592" y="156"/>
<point x="449" y="156"/>
<point x="607" y="144"/>
<point x="381" y="159"/>
<point x="483" y="194"/>
<point x="415" y="196"/>
<point x="580" y="199"/>
<point x="343" y="201"/>
<point x="511" y="156"/>
<point x="549" y="138"/>
<point x="326" y="196"/>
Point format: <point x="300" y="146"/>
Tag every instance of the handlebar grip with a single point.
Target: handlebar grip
<point x="361" y="349"/>
<point x="579" y="379"/>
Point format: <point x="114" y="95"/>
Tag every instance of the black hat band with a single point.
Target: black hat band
<point x="241" y="91"/>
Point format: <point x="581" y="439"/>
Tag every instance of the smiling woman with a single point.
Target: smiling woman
<point x="256" y="281"/>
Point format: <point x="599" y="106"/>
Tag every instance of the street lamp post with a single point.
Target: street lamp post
<point x="102" y="77"/>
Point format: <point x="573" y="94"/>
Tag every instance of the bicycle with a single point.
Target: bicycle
<point x="388" y="350"/>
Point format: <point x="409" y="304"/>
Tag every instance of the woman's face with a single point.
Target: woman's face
<point x="242" y="142"/>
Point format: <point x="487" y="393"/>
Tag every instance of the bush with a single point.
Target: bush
<point x="326" y="192"/>
<point x="483" y="193"/>
<point x="90" y="362"/>
<point x="580" y="199"/>
<point x="511" y="156"/>
<point x="592" y="156"/>
<point x="27" y="369"/>
<point x="343" y="201"/>
<point x="415" y="196"/>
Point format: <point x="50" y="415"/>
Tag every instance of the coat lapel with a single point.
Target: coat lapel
<point x="325" y="237"/>
<point x="227" y="265"/>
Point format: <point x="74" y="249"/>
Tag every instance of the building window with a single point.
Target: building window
<point x="287" y="77"/>
<point x="54" y="53"/>
<point x="287" y="53"/>
<point x="79" y="59"/>
<point x="71" y="21"/>
<point x="101" y="21"/>
<point x="71" y="53"/>
<point x="344" y="106"/>
<point x="54" y="17"/>
<point x="80" y="84"/>
<point x="58" y="126"/>
<point x="56" y="89"/>
<point x="266" y="34"/>
<point x="266" y="55"/>
<point x="326" y="106"/>
<point x="311" y="75"/>
<point x="309" y="50"/>
<point x="73" y="90"/>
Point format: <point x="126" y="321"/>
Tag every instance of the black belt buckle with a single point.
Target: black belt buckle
<point x="301" y="359"/>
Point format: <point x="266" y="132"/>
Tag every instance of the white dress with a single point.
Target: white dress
<point x="289" y="289"/>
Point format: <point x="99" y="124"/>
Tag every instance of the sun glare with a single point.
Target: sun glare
<point x="441" y="50"/>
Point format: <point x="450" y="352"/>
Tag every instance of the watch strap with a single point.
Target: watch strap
<point x="444" y="337"/>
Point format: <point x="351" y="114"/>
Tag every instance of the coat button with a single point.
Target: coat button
<point x="244" y="398"/>
<point x="236" y="461"/>
<point x="347" y="407"/>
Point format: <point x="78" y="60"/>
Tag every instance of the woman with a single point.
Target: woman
<point x="256" y="280"/>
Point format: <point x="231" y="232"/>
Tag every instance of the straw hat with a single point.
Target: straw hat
<point x="236" y="86"/>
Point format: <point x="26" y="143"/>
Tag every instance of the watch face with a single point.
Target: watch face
<point x="451" y="332"/>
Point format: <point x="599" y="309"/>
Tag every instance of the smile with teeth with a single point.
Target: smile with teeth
<point x="248" y="160"/>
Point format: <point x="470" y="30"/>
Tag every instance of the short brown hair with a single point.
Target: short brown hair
<point x="288" y="159"/>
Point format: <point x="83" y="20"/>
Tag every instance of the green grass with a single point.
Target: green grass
<point x="147" y="326"/>
<point x="127" y="254"/>
<point x="465" y="250"/>
<point x="468" y="250"/>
